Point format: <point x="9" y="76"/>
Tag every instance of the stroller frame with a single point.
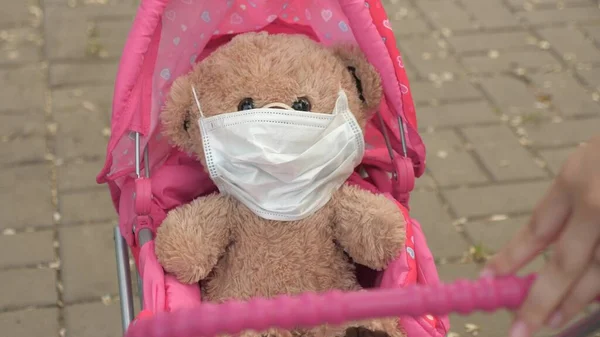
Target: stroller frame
<point x="122" y="251"/>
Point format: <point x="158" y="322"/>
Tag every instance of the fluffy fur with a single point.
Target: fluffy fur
<point x="233" y="253"/>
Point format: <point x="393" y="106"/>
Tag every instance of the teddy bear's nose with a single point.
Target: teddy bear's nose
<point x="278" y="105"/>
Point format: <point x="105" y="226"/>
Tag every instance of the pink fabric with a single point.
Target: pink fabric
<point x="163" y="292"/>
<point x="181" y="296"/>
<point x="153" y="279"/>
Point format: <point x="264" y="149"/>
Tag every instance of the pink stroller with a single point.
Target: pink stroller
<point x="147" y="177"/>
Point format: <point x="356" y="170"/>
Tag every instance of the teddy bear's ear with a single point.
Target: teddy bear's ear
<point x="366" y="78"/>
<point x="177" y="116"/>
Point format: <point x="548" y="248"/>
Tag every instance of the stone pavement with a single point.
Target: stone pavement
<point x="506" y="89"/>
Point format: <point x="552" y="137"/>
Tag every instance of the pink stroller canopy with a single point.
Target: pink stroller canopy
<point x="168" y="37"/>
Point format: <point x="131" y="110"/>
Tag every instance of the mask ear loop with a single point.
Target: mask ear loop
<point x="341" y="103"/>
<point x="197" y="101"/>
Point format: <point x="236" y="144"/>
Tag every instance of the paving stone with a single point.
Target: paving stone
<point x="571" y="44"/>
<point x="26" y="249"/>
<point x="96" y="8"/>
<point x="454" y="114"/>
<point x="456" y="90"/>
<point x="22" y="88"/>
<point x="513" y="96"/>
<point x="453" y="272"/>
<point x="449" y="161"/>
<point x="30" y="322"/>
<point x="81" y="133"/>
<point x="25" y="197"/>
<point x="511" y="60"/>
<point x="429" y="56"/>
<point x="495" y="199"/>
<point x="97" y="97"/>
<point x="442" y="238"/>
<point x="93" y="319"/>
<point x="553" y="16"/>
<point x="425" y="182"/>
<point x="406" y="21"/>
<point x="569" y="132"/>
<point x="84" y="36"/>
<point x="495" y="324"/>
<point x="501" y="153"/>
<point x="567" y="94"/>
<point x="592" y="77"/>
<point x="593" y="32"/>
<point x="446" y="15"/>
<point x="27" y="287"/>
<point x="22" y="137"/>
<point x="18" y="13"/>
<point x="78" y="174"/>
<point x="521" y="3"/>
<point x="89" y="267"/>
<point x="73" y="212"/>
<point x="492" y="41"/>
<point x="20" y="45"/>
<point x="65" y="41"/>
<point x="82" y="73"/>
<point x="555" y="158"/>
<point x="491" y="14"/>
<point x="494" y="234"/>
<point x="108" y="36"/>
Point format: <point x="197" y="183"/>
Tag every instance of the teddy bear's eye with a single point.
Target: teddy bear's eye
<point x="246" y="104"/>
<point x="301" y="104"/>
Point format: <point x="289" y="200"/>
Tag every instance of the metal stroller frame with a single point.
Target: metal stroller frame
<point x="122" y="251"/>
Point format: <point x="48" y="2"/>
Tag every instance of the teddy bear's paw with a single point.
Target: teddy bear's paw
<point x="360" y="331"/>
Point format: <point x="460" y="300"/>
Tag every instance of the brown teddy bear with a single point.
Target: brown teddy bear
<point x="237" y="253"/>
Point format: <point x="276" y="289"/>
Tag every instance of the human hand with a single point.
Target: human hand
<point x="568" y="217"/>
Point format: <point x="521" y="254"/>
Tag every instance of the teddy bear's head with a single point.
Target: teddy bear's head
<point x="258" y="69"/>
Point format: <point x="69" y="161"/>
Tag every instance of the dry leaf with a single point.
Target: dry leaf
<point x="498" y="217"/>
<point x="472" y="329"/>
<point x="89" y="105"/>
<point x="9" y="231"/>
<point x="493" y="54"/>
<point x="52" y="128"/>
<point x="478" y="253"/>
<point x="544" y="44"/>
<point x="106" y="300"/>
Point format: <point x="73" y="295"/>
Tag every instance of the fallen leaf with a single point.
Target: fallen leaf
<point x="9" y="231"/>
<point x="472" y="329"/>
<point x="498" y="217"/>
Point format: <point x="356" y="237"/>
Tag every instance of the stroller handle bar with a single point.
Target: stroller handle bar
<point x="335" y="307"/>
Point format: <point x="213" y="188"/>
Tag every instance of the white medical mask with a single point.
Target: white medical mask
<point x="282" y="164"/>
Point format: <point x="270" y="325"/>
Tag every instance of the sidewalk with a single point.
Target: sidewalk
<point x="505" y="90"/>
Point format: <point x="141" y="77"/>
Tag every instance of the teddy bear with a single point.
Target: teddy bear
<point x="236" y="252"/>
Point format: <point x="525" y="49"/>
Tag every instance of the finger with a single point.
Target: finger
<point x="582" y="294"/>
<point x="546" y="223"/>
<point x="573" y="253"/>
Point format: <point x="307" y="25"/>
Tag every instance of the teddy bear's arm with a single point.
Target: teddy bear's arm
<point x="193" y="237"/>
<point x="369" y="227"/>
